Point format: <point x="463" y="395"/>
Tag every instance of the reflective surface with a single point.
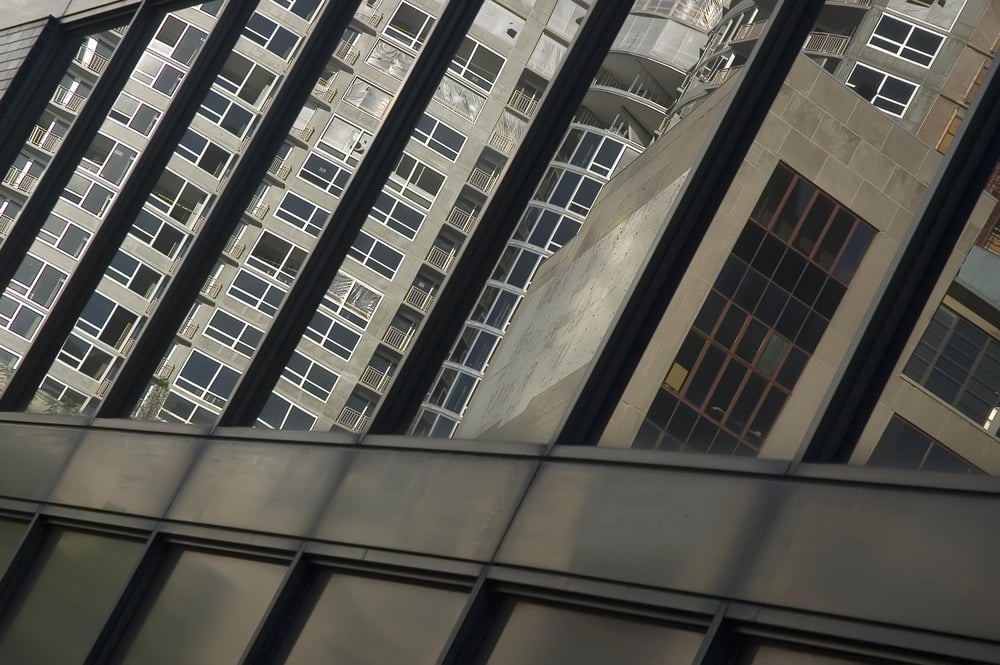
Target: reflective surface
<point x="11" y="533"/>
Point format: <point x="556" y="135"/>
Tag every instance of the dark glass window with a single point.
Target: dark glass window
<point x="903" y="446"/>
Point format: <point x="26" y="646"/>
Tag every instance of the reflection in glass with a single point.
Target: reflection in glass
<point x="11" y="533"/>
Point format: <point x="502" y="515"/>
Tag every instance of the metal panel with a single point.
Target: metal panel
<point x="32" y="458"/>
<point x="431" y="503"/>
<point x="274" y="487"/>
<point x="126" y="472"/>
<point x="11" y="533"/>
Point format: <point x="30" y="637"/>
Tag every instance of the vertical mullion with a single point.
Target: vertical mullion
<point x="208" y="244"/>
<point x="112" y="231"/>
<point x="78" y="138"/>
<point x="270" y="633"/>
<point x="343" y="226"/>
<point x="700" y="198"/>
<point x="22" y="561"/>
<point x="501" y="216"/>
<point x="473" y="624"/>
<point x="939" y="222"/>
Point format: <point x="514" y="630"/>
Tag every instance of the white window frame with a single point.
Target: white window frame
<point x="899" y="49"/>
<point x="885" y="77"/>
<point x="366" y="257"/>
<point x="302" y="379"/>
<point x="245" y="342"/>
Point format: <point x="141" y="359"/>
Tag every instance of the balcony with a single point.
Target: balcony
<point x="370" y="18"/>
<point x="164" y="371"/>
<point x="860" y="4"/>
<point x="418" y="298"/>
<point x="234" y="248"/>
<point x="19" y="180"/>
<point x="212" y="288"/>
<point x="188" y="330"/>
<point x="325" y="91"/>
<point x="461" y="219"/>
<point x="352" y="420"/>
<point x="91" y="61"/>
<point x="440" y="259"/>
<point x="822" y="43"/>
<point x="749" y="31"/>
<point x="279" y="168"/>
<point x="347" y="53"/>
<point x="502" y="142"/>
<point x="397" y="339"/>
<point x="482" y="180"/>
<point x="67" y="99"/>
<point x="102" y="390"/>
<point x="640" y="86"/>
<point x="257" y="208"/>
<point x="522" y="103"/>
<point x="44" y="140"/>
<point x="722" y="75"/>
<point x="304" y="133"/>
<point x="375" y="379"/>
<point x="6" y="221"/>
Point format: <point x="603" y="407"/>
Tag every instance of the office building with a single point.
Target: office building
<point x="747" y="415"/>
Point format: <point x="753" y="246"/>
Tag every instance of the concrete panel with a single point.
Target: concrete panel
<point x="32" y="458"/>
<point x="126" y="472"/>
<point x="429" y="503"/>
<point x="263" y="486"/>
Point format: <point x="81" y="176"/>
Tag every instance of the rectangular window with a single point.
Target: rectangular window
<point x="304" y="9"/>
<point x="207" y="379"/>
<point x="344" y="141"/>
<point x="415" y="180"/>
<point x="18" y="318"/>
<point x="157" y="74"/>
<point x="132" y="113"/>
<point x="439" y="137"/>
<point x="309" y="375"/>
<point x="177" y="197"/>
<point x="108" y="158"/>
<point x="245" y="79"/>
<point x="328" y="176"/>
<point x="332" y="335"/>
<point x="64" y="235"/>
<point x="206" y="155"/>
<point x="38" y="281"/>
<point x="234" y="333"/>
<point x="107" y="321"/>
<point x="376" y="255"/>
<point x="87" y="194"/>
<point x="279" y="413"/>
<point x="301" y="214"/>
<point x="275" y="38"/>
<point x="256" y="292"/>
<point x="398" y="216"/>
<point x="277" y="258"/>
<point x="157" y="233"/>
<point x="409" y="26"/>
<point x="903" y="446"/>
<point x="906" y="40"/>
<point x="134" y="274"/>
<point x="391" y="59"/>
<point x="177" y="408"/>
<point x="226" y="114"/>
<point x="477" y="64"/>
<point x="367" y="97"/>
<point x="351" y="300"/>
<point x="85" y="357"/>
<point x="178" y="40"/>
<point x="884" y="91"/>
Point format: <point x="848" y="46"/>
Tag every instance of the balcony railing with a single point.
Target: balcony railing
<point x="397" y="339"/>
<point x="347" y="53"/>
<point x="212" y="288"/>
<point x="640" y="86"/>
<point x="723" y="75"/>
<point x="823" y="43"/>
<point x="324" y="90"/>
<point x="120" y="30"/>
<point x="352" y="420"/>
<point x="187" y="330"/>
<point x="461" y="219"/>
<point x="522" y="103"/>
<point x="279" y="168"/>
<point x="44" y="139"/>
<point x="164" y="371"/>
<point x="234" y="248"/>
<point x="68" y="99"/>
<point x="418" y="298"/>
<point x="502" y="142"/>
<point x="482" y="180"/>
<point x="257" y="208"/>
<point x="374" y="379"/>
<point x="6" y="221"/>
<point x="749" y="31"/>
<point x="370" y="18"/>
<point x="102" y="390"/>
<point x="303" y="133"/>
<point x="440" y="259"/>
<point x="92" y="61"/>
<point x="856" y="3"/>
<point x="19" y="180"/>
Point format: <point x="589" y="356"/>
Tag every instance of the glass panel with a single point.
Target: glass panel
<point x="365" y="621"/>
<point x="541" y="635"/>
<point x="11" y="533"/>
<point x="215" y="602"/>
<point x="771" y="655"/>
<point x="69" y="593"/>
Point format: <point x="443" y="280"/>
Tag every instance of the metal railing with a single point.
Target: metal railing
<point x="370" y="18"/>
<point x="352" y="420"/>
<point x="723" y="75"/>
<point x="6" y="221"/>
<point x="92" y="61"/>
<point x="103" y="389"/>
<point x="19" y="180"/>
<point x="482" y="180"/>
<point x="749" y="31"/>
<point x="164" y="370"/>
<point x="347" y="53"/>
<point x="302" y="133"/>
<point x="257" y="208"/>
<point x="212" y="288"/>
<point x="461" y="219"/>
<point x="325" y="91"/>
<point x="279" y="168"/>
<point x="418" y="298"/>
<point x="234" y="248"/>
<point x="640" y="87"/>
<point x="44" y="139"/>
<point x="523" y="103"/>
<point x="857" y="3"/>
<point x="502" y="142"/>
<point x="439" y="258"/>
<point x="188" y="329"/>
<point x="374" y="379"/>
<point x="397" y="339"/>
<point x="67" y="99"/>
<point x="826" y="43"/>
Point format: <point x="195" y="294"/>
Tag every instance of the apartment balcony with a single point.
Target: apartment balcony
<point x="860" y="4"/>
<point x="502" y="142"/>
<point x="482" y="180"/>
<point x="44" y="140"/>
<point x="257" y="208"/>
<point x="397" y="339"/>
<point x="234" y="248"/>
<point x="212" y="288"/>
<point x="347" y="53"/>
<point x="164" y="371"/>
<point x="304" y="133"/>
<point x="325" y="91"/>
<point x="639" y="86"/>
<point x="187" y="330"/>
<point x="440" y="259"/>
<point x="418" y="299"/>
<point x="102" y="390"/>
<point x="352" y="420"/>
<point x="19" y="180"/>
<point x="522" y="103"/>
<point x="721" y="76"/>
<point x="6" y="221"/>
<point x="91" y="61"/>
<point x="374" y="379"/>
<point x="749" y="31"/>
<point x="280" y="168"/>
<point x="826" y="44"/>
<point x="461" y="219"/>
<point x="369" y="17"/>
<point x="67" y="99"/>
<point x="151" y="305"/>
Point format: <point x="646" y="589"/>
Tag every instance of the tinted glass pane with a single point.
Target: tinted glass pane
<point x="10" y="538"/>
<point x="366" y="621"/>
<point x="214" y="602"/>
<point x="63" y="603"/>
<point x="542" y="635"/>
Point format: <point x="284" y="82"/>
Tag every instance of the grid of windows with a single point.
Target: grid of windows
<point x="301" y="214"/>
<point x="439" y="137"/>
<point x="376" y="255"/>
<point x="906" y="40"/>
<point x="64" y="235"/>
<point x="884" y="91"/>
<point x="234" y="333"/>
<point x="903" y="446"/>
<point x="309" y="375"/>
<point x="279" y="413"/>
<point x="477" y="64"/>
<point x="207" y="379"/>
<point x="275" y="38"/>
<point x="328" y="176"/>
<point x="760" y="324"/>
